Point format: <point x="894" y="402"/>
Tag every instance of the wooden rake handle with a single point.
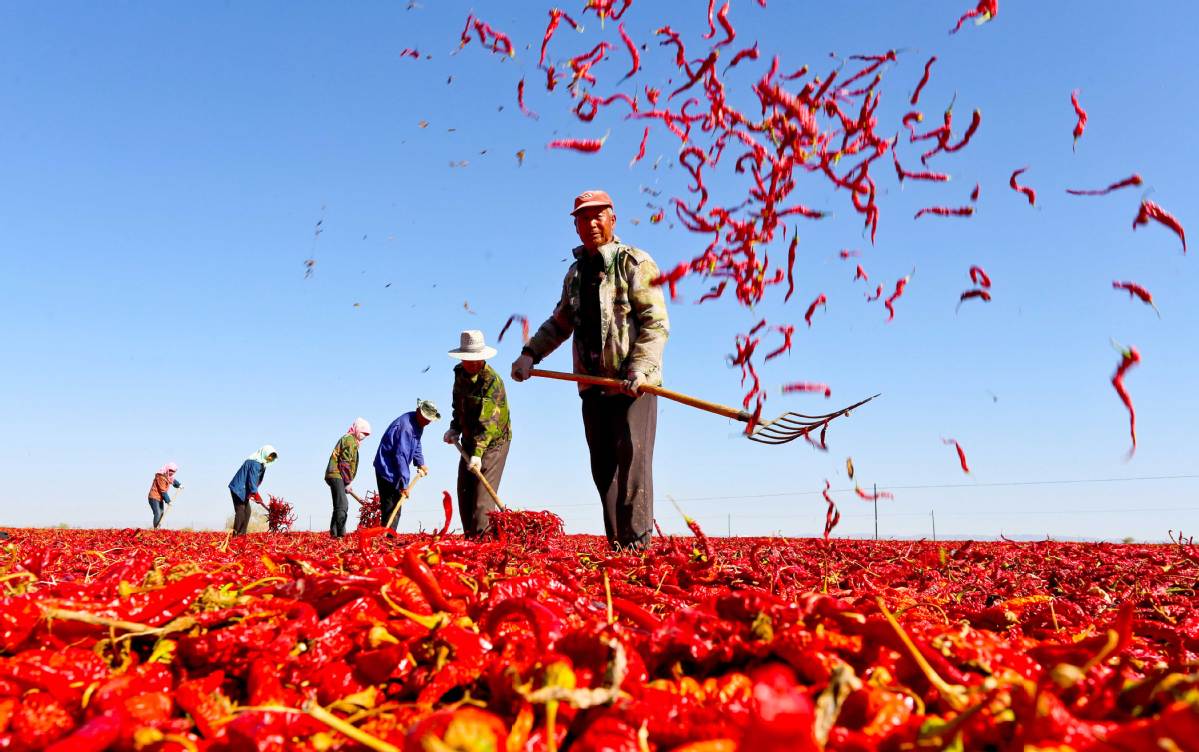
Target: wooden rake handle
<point x="479" y="474"/>
<point x="684" y="399"/>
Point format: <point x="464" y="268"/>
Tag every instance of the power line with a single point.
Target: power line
<point x="1004" y="484"/>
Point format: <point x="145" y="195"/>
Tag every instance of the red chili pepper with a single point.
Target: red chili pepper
<point x="633" y="53"/>
<point x="979" y="277"/>
<point x="872" y="497"/>
<point x="889" y="302"/>
<point x="1081" y="124"/>
<point x="1125" y="183"/>
<point x="589" y="146"/>
<point x="788" y="331"/>
<point x="860" y="273"/>
<point x="909" y="122"/>
<point x="985" y="11"/>
<point x="807" y="386"/>
<point x="641" y="149"/>
<point x="791" y="266"/>
<point x="877" y="294"/>
<point x="961" y="453"/>
<point x="974" y="193"/>
<point x="418" y="571"/>
<point x="409" y="52"/>
<point x="945" y="211"/>
<point x="447" y="506"/>
<point x="937" y="177"/>
<point x="923" y="80"/>
<point x="820" y="300"/>
<point x="556" y="17"/>
<point x="722" y="17"/>
<point x="833" y="515"/>
<point x="975" y="120"/>
<point x="1149" y="210"/>
<point x="845" y="253"/>
<point x="1029" y="192"/>
<point x="1129" y="358"/>
<point x="524" y="326"/>
<point x="1135" y="290"/>
<point x="967" y="295"/>
<point x="520" y="100"/>
<point x="551" y="78"/>
<point x="749" y="53"/>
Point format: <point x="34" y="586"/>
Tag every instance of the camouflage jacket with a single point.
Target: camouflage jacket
<point x="633" y="321"/>
<point x="480" y="410"/>
<point x="343" y="462"/>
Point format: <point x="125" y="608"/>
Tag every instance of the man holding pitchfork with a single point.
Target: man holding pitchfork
<point x="618" y="319"/>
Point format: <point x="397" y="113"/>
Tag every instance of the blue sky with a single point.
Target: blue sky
<point x="164" y="167"/>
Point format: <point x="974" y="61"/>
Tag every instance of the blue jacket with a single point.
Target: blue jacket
<point x="398" y="449"/>
<point x="245" y="483"/>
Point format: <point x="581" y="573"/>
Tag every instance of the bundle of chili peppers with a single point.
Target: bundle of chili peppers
<point x="280" y="515"/>
<point x="369" y="514"/>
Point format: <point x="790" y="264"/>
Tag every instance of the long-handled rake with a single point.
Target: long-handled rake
<point x="167" y="507"/>
<point x="785" y="428"/>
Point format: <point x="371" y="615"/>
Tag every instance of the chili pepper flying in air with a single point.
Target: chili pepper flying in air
<point x="1136" y="291"/>
<point x="1128" y="358"/>
<point x="1149" y="210"/>
<point x="961" y="453"/>
<point x="1134" y="180"/>
<point x="1028" y="192"/>
<point x="1081" y="124"/>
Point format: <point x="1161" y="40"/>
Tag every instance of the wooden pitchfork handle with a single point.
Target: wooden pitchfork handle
<point x="685" y="399"/>
<point x="403" y="498"/>
<point x="479" y="474"/>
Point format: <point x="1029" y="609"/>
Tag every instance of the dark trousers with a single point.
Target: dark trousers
<point x="389" y="501"/>
<point x="475" y="505"/>
<point x="241" y="515"/>
<point x="341" y="507"/>
<point x="620" y="436"/>
<point x="157" y="508"/>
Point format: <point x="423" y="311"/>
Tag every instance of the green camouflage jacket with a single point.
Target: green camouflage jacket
<point x="480" y="410"/>
<point x="343" y="463"/>
<point x="633" y="321"/>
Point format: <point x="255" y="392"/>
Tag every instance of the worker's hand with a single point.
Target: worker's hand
<point x="451" y="436"/>
<point x="476" y="464"/>
<point x="521" y="367"/>
<point x="632" y="385"/>
<point x="254" y="497"/>
<point x="404" y="494"/>
<point x="349" y="490"/>
<point x="422" y="471"/>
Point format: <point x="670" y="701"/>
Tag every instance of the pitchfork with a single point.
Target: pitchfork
<point x="786" y="427"/>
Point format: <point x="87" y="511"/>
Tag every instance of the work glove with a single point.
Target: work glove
<point x="254" y="497"/>
<point x="521" y="367"/>
<point x="476" y="464"/>
<point x="632" y="385"/>
<point x="422" y="471"/>
<point x="451" y="436"/>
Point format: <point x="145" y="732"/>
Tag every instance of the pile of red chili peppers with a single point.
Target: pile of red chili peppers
<point x="165" y="640"/>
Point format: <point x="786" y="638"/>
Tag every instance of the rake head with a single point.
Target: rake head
<point x="791" y="426"/>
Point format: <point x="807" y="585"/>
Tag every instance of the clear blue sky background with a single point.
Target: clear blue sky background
<point x="164" y="166"/>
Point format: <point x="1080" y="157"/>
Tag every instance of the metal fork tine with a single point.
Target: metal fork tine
<point x="791" y="425"/>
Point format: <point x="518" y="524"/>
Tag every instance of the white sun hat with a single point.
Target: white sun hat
<point x="472" y="347"/>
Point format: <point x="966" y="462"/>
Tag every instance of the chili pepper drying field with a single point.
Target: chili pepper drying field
<point x="162" y="640"/>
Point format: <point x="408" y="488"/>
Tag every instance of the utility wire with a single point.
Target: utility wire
<point x="1004" y="484"/>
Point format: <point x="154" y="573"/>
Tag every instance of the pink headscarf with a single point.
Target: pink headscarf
<point x="360" y="429"/>
<point x="168" y="469"/>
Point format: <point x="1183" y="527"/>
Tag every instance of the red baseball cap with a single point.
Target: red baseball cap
<point x="591" y="198"/>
